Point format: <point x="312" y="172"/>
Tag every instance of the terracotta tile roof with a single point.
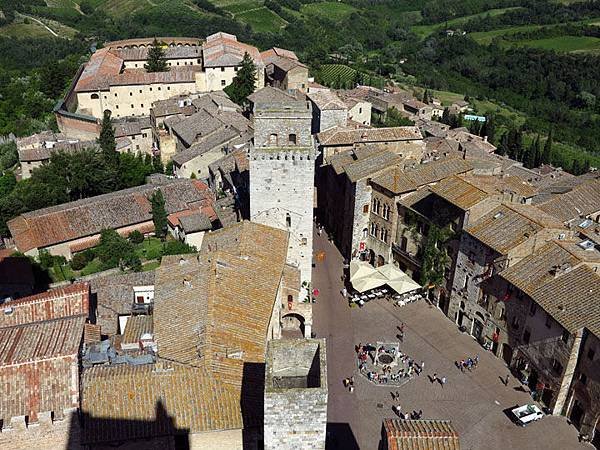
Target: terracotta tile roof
<point x="89" y="216"/>
<point x="509" y="226"/>
<point x="130" y="127"/>
<point x="371" y="165"/>
<point x="396" y="181"/>
<point x="220" y="303"/>
<point x="222" y="49"/>
<point x="459" y="192"/>
<point x="195" y="222"/>
<point x="438" y="170"/>
<point x="340" y="160"/>
<point x="237" y="159"/>
<point x="271" y="55"/>
<point x="35" y="341"/>
<point x="326" y="100"/>
<point x="136" y="327"/>
<point x="420" y="435"/>
<point x="216" y="139"/>
<point x="114" y="296"/>
<point x="181" y="74"/>
<point x="70" y="300"/>
<point x="501" y="184"/>
<point x="102" y="66"/>
<point x="345" y="136"/>
<point x="181" y="104"/>
<point x="169" y="40"/>
<point x="415" y="197"/>
<point x="270" y="94"/>
<point x="141" y="53"/>
<point x="155" y="400"/>
<point x="573" y="299"/>
<point x="581" y="201"/>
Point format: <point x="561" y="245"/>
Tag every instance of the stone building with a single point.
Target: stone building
<point x="417" y="109"/>
<point x="295" y="406"/>
<point x="329" y="111"/>
<point x="284" y="71"/>
<point x="75" y="226"/>
<point x="495" y="242"/>
<point x="114" y="78"/>
<point x="282" y="172"/>
<point x="406" y="142"/>
<point x="134" y="135"/>
<point x="359" y="109"/>
<point x="41" y="337"/>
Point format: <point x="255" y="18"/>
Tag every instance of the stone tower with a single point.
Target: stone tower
<point x="295" y="394"/>
<point x="282" y="171"/>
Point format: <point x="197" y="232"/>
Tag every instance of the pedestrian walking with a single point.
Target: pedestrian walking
<point x="443" y="381"/>
<point x="344" y="292"/>
<point x="351" y="388"/>
<point x="422" y="365"/>
<point x="434" y="378"/>
<point x="507" y="380"/>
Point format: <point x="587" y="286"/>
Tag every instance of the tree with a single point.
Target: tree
<point x="107" y="136"/>
<point x="135" y="237"/>
<point x="159" y="214"/>
<point x="426" y="96"/>
<point x="244" y="82"/>
<point x="156" y="61"/>
<point x="157" y="164"/>
<point x="115" y="251"/>
<point x="435" y="256"/>
<point x="176" y="247"/>
<point x="547" y="152"/>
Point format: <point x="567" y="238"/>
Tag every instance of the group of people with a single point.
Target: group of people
<point x="415" y="415"/>
<point x="407" y="366"/>
<point x="441" y="380"/>
<point x="467" y="363"/>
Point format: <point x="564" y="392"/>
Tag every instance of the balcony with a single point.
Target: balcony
<point x="412" y="259"/>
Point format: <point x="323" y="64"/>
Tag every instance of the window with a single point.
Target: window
<point x="372" y="231"/>
<point x="548" y="320"/>
<point x="500" y="311"/>
<point x="150" y="89"/>
<point x="515" y="322"/>
<point x="590" y="354"/>
<point x="140" y="91"/>
<point x="557" y="366"/>
<point x="304" y="241"/>
<point x="95" y="96"/>
<point x="376" y="230"/>
<point x="532" y="309"/>
<point x="131" y="94"/>
<point x="365" y="209"/>
<point x="137" y="147"/>
<point x="222" y="69"/>
<point x="116" y="106"/>
<point x="565" y="336"/>
<point x="288" y="220"/>
<point x="222" y="82"/>
<point x="583" y="378"/>
<point x="133" y="137"/>
<point x="365" y="232"/>
<point x="360" y="110"/>
<point x="115" y="94"/>
<point x="292" y="139"/>
<point x="526" y="336"/>
<point x="236" y="69"/>
<point x="273" y="139"/>
<point x="131" y="106"/>
<point x="168" y="88"/>
<point x="145" y="135"/>
<point x="141" y="105"/>
<point x="466" y="285"/>
<point x="159" y="88"/>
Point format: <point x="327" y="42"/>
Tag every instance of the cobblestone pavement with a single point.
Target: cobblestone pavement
<point x="474" y="401"/>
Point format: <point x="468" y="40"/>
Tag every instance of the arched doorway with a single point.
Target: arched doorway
<point x="577" y="413"/>
<point x="380" y="261"/>
<point x="371" y="257"/>
<point x="292" y="326"/>
<point x="507" y="353"/>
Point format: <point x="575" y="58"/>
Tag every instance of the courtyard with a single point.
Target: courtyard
<point x="475" y="400"/>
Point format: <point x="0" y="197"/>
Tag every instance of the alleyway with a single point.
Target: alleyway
<point x="473" y="401"/>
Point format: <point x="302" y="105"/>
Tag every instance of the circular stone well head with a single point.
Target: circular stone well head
<point x="384" y="358"/>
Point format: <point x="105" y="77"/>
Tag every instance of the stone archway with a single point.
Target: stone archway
<point x="292" y="325"/>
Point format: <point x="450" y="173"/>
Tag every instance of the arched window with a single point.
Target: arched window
<point x="364" y="233"/>
<point x="273" y="139"/>
<point x="376" y="230"/>
<point x="95" y="96"/>
<point x="292" y="139"/>
<point x="288" y="220"/>
<point x="365" y="209"/>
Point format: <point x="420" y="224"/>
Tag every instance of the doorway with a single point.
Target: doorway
<point x="577" y="413"/>
<point x="507" y="353"/>
<point x="477" y="329"/>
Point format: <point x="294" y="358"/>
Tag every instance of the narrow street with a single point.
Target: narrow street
<point x="474" y="401"/>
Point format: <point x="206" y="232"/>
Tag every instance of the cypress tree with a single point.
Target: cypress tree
<point x="547" y="153"/>
<point x="156" y="61"/>
<point x="159" y="214"/>
<point x="244" y="82"/>
<point x="107" y="136"/>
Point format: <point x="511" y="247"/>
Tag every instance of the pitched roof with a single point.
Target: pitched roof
<point x="501" y="184"/>
<point x="218" y="138"/>
<point x="459" y="192"/>
<point x="141" y="53"/>
<point x="131" y="127"/>
<point x="222" y="49"/>
<point x="136" y="327"/>
<point x="102" y="66"/>
<point x="351" y="136"/>
<point x="371" y="165"/>
<point x="89" y="216"/>
<point x="420" y="435"/>
<point x="431" y="172"/>
<point x="114" y="296"/>
<point x="35" y="341"/>
<point x="326" y="100"/>
<point x="221" y="302"/>
<point x="270" y="94"/>
<point x="573" y="299"/>
<point x="396" y="181"/>
<point x="583" y="200"/>
<point x="271" y="55"/>
<point x="194" y="222"/>
<point x="126" y="402"/>
<point x="506" y="227"/>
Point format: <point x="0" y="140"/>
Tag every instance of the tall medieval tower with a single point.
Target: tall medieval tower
<point x="282" y="171"/>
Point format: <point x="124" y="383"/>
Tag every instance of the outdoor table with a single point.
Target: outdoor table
<point x="371" y="295"/>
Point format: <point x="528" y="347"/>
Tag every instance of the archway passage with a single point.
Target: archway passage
<point x="292" y="326"/>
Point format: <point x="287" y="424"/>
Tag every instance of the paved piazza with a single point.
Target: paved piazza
<point x="473" y="401"/>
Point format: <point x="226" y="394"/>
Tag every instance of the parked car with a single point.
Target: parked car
<point x="527" y="413"/>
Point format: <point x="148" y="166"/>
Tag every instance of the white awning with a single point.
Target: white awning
<point x="365" y="277"/>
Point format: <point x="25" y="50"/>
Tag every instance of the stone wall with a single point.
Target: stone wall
<point x="360" y="219"/>
<point x="295" y="395"/>
<point x="361" y="113"/>
<point x="46" y="434"/>
<point x="281" y="196"/>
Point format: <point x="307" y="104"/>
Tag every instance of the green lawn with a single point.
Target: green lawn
<point x="564" y="43"/>
<point x="337" y="73"/>
<point x="150" y="266"/>
<point x="92" y="267"/>
<point x="426" y="30"/>
<point x="262" y="20"/>
<point x="332" y="10"/>
<point x="19" y="30"/>
<point x="242" y="5"/>
<point x="149" y="249"/>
